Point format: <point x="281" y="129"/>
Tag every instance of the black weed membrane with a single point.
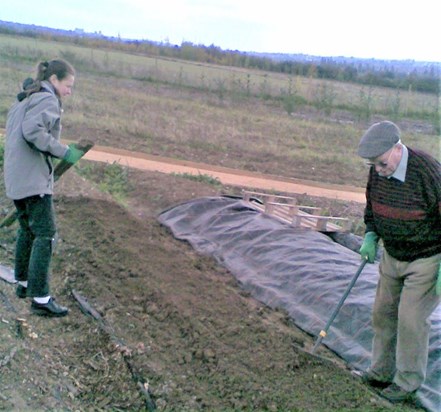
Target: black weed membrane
<point x="301" y="271"/>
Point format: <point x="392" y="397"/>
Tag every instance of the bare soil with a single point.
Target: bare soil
<point x="174" y="329"/>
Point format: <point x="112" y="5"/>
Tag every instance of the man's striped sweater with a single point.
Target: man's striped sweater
<point x="407" y="215"/>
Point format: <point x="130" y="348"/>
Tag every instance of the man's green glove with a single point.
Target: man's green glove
<point x="438" y="282"/>
<point x="368" y="249"/>
<point x="73" y="154"/>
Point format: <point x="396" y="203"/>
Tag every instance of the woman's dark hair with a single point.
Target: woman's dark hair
<point x="45" y="70"/>
<point x="60" y="68"/>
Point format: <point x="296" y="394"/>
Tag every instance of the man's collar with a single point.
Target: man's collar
<point x="400" y="172"/>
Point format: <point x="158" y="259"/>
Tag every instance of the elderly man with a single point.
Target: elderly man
<point x="403" y="209"/>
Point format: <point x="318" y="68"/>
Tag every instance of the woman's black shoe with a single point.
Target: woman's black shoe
<point x="51" y="309"/>
<point x="21" y="291"/>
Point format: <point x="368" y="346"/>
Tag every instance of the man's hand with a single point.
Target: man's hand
<point x="73" y="154"/>
<point x="438" y="282"/>
<point x="368" y="249"/>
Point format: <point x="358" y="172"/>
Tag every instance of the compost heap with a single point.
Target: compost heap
<point x="301" y="271"/>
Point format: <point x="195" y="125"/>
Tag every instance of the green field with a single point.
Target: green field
<point x="286" y="125"/>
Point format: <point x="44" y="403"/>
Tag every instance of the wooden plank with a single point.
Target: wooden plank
<point x="286" y="209"/>
<point x="265" y="196"/>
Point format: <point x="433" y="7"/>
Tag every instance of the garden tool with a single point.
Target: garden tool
<point x="324" y="331"/>
<point x="60" y="168"/>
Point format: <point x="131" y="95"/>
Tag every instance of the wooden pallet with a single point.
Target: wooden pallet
<point x="287" y="210"/>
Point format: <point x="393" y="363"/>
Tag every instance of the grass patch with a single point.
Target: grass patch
<point x="110" y="178"/>
<point x="201" y="178"/>
<point x="226" y="82"/>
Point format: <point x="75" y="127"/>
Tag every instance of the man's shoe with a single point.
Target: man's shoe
<point x="21" y="291"/>
<point x="51" y="309"/>
<point x="394" y="393"/>
<point x="370" y="379"/>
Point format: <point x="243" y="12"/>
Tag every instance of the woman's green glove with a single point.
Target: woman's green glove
<point x="368" y="249"/>
<point x="73" y="154"/>
<point x="438" y="282"/>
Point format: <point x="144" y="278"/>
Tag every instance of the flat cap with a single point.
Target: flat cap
<point x="378" y="139"/>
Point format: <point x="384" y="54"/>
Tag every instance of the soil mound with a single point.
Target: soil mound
<point x="175" y="322"/>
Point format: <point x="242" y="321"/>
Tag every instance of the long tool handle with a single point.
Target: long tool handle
<point x="324" y="331"/>
<point x="61" y="167"/>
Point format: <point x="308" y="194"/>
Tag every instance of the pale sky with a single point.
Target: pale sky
<point x="381" y="29"/>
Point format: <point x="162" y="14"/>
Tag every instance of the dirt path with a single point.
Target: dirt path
<point x="225" y="175"/>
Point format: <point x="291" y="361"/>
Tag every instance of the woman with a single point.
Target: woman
<point x="32" y="139"/>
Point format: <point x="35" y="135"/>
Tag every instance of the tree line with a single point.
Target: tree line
<point x="356" y="71"/>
